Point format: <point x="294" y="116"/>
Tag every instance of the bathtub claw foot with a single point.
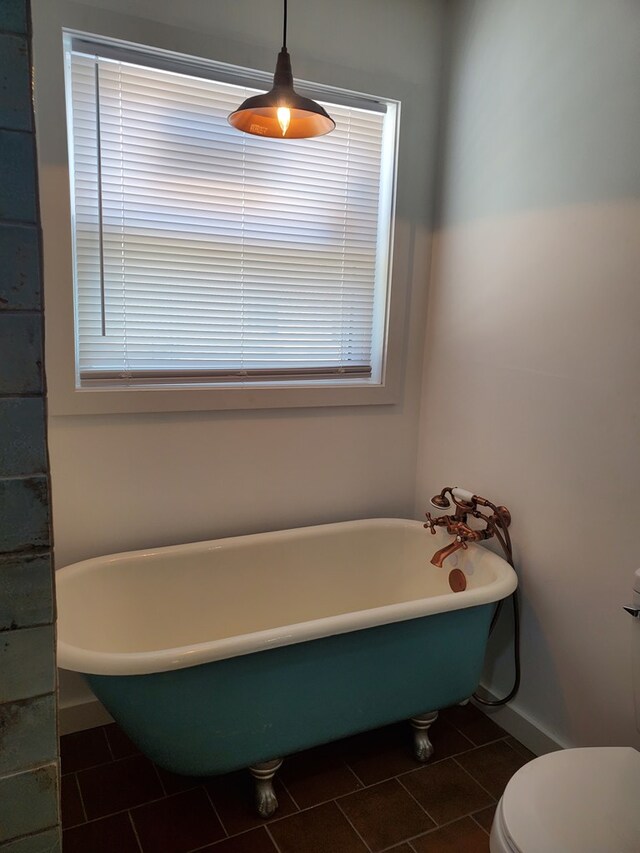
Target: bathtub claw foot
<point x="422" y="743"/>
<point x="266" y="800"/>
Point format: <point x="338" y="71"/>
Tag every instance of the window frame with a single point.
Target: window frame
<point x="69" y="397"/>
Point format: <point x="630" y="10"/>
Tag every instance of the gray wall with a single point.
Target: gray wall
<point x="28" y="742"/>
<point x="532" y="359"/>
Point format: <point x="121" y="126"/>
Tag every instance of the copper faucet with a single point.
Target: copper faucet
<point x="466" y="504"/>
<point x="440" y="556"/>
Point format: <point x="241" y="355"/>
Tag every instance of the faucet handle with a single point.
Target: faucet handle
<point x="431" y="524"/>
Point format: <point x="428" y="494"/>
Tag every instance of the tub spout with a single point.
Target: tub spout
<point x="440" y="556"/>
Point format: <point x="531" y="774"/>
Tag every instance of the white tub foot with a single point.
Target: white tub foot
<point x="421" y="726"/>
<point x="266" y="800"/>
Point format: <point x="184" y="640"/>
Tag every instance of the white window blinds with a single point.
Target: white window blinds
<point x="203" y="254"/>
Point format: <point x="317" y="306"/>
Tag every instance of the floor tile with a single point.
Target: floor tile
<point x="463" y="836"/>
<point x="175" y="784"/>
<point x="385" y="814"/>
<point x="485" y="817"/>
<point x="317" y="775"/>
<point x="445" y="791"/>
<point x="174" y="814"/>
<point x="81" y="750"/>
<point x="70" y="801"/>
<point x="177" y="824"/>
<point x="492" y="765"/>
<point x="462" y="716"/>
<point x="323" y="829"/>
<point x="521" y="749"/>
<point x="108" y="835"/>
<point x="474" y="724"/>
<point x="447" y="740"/>
<point x="382" y="754"/>
<point x="233" y="796"/>
<point x="121" y="745"/>
<point x="120" y="785"/>
<point x="254" y="841"/>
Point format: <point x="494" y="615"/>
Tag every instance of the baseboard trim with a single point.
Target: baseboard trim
<point x="524" y="729"/>
<point x="81" y="716"/>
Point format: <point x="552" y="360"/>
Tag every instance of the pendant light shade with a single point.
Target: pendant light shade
<point x="282" y="113"/>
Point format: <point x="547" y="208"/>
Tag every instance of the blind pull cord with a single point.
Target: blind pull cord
<point x="103" y="312"/>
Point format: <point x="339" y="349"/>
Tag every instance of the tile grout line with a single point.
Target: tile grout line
<point x="494" y="799"/>
<point x="404" y="787"/>
<point x="106" y="737"/>
<point x="84" y="810"/>
<point x="428" y="832"/>
<point x="273" y="841"/>
<point x="127" y="808"/>
<point x="477" y="822"/>
<point x="346" y="817"/>
<point x="215" y="811"/>
<point x="159" y="778"/>
<point x="135" y="831"/>
<point x="291" y="797"/>
<point x="356" y="775"/>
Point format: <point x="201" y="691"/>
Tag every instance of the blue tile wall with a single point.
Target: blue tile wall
<point x="20" y="286"/>
<point x="30" y="738"/>
<point x="18" y="647"/>
<point x="26" y="595"/>
<point x="15" y="109"/>
<point x="22" y="451"/>
<point x="21" y="353"/>
<point x="41" y="842"/>
<point x="29" y="763"/>
<point x="28" y="802"/>
<point x="17" y="176"/>
<point x="13" y="16"/>
<point x="24" y="509"/>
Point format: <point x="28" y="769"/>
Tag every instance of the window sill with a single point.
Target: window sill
<point x="103" y="401"/>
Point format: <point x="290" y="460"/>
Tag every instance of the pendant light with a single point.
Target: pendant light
<point x="282" y="113"/>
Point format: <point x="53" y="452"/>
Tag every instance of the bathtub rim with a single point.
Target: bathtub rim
<point x="78" y="659"/>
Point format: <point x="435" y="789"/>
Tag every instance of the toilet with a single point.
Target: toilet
<point x="572" y="801"/>
<point x="575" y="800"/>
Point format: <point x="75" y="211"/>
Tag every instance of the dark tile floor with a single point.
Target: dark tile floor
<point x="365" y="794"/>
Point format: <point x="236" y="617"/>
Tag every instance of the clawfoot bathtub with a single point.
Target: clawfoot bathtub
<point x="236" y="652"/>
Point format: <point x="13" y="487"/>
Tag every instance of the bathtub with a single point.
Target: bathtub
<point x="235" y="652"/>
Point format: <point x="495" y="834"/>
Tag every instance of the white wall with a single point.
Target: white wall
<point x="132" y="481"/>
<point x="532" y="361"/>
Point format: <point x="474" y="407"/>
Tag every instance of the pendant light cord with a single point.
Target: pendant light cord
<point x="284" y="28"/>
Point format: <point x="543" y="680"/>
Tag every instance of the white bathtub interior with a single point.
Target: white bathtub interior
<point x="180" y="597"/>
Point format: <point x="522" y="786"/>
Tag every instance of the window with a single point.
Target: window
<point x="206" y="256"/>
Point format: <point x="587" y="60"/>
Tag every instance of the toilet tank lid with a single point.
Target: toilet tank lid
<point x="577" y="801"/>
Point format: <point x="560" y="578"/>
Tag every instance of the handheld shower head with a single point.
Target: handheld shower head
<point x="440" y="502"/>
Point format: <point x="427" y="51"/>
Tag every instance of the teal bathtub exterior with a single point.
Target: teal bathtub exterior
<point x="229" y="714"/>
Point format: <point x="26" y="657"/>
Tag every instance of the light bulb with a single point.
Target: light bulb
<point x="284" y="117"/>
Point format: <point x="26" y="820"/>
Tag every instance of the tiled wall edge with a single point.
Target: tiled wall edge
<point x="29" y="763"/>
